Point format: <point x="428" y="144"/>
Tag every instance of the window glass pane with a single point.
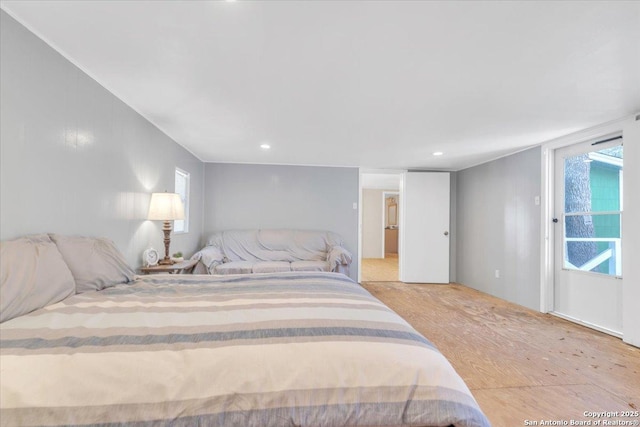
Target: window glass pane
<point x="593" y="226"/>
<point x="182" y="188"/>
<point x="593" y="181"/>
<point x="593" y="243"/>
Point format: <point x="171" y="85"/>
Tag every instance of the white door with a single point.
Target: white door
<point x="588" y="232"/>
<point x="424" y="230"/>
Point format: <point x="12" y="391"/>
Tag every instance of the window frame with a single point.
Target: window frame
<point x="566" y="265"/>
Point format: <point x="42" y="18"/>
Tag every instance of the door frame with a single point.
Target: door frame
<point x="547" y="211"/>
<point x="363" y="171"/>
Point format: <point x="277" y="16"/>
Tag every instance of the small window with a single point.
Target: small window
<point x="182" y="188"/>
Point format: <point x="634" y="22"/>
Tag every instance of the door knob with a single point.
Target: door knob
<point x="555" y="220"/>
<point x="446" y="233"/>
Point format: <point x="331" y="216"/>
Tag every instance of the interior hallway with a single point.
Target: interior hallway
<point x="380" y="269"/>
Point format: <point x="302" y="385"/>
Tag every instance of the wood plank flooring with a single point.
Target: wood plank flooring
<point x="520" y="364"/>
<point x="380" y="269"/>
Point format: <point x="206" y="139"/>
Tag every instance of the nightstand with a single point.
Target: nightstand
<point x="182" y="267"/>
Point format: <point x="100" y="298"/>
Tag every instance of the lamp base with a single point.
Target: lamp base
<point x="166" y="229"/>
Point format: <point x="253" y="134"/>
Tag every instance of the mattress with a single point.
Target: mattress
<point x="276" y="349"/>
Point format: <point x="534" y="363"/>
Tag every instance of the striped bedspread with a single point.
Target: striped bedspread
<point x="288" y="349"/>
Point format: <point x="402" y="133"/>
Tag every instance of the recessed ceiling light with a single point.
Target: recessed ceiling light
<point x="265" y="146"/>
<point x="438" y="153"/>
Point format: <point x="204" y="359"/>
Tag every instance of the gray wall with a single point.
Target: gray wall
<point x="498" y="227"/>
<point x="242" y="196"/>
<point x="453" y="227"/>
<point x="77" y="160"/>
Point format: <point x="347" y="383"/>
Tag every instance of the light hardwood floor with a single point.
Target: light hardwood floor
<point x="380" y="269"/>
<point x="520" y="364"/>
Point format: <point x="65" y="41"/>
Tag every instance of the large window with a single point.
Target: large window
<point x="593" y="211"/>
<point x="182" y="188"/>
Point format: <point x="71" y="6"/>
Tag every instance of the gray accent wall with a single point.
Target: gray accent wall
<point x="246" y="196"/>
<point x="76" y="160"/>
<point x="498" y="227"/>
<point x="453" y="226"/>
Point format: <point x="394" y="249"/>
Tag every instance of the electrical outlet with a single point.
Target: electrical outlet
<point x="497" y="274"/>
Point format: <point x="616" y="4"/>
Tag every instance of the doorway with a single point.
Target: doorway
<point x="588" y="234"/>
<point x="391" y="205"/>
<point x="380" y="226"/>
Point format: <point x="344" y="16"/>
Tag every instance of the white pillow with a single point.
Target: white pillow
<point x="95" y="262"/>
<point x="33" y="274"/>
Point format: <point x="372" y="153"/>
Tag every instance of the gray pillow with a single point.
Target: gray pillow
<point x="33" y="274"/>
<point x="95" y="262"/>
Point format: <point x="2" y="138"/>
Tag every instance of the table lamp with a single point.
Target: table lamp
<point x="166" y="207"/>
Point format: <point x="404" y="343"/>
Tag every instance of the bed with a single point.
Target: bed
<point x="275" y="349"/>
<point x="84" y="341"/>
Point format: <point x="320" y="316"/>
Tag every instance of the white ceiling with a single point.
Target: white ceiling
<point x="377" y="84"/>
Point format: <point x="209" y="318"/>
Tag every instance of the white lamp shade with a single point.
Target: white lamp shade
<point x="166" y="207"/>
